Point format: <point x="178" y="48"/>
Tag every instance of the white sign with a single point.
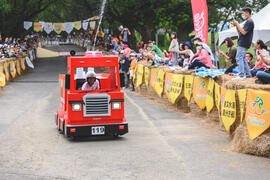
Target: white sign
<point x="27" y="24"/>
<point x="68" y="27"/>
<point x="48" y="27"/>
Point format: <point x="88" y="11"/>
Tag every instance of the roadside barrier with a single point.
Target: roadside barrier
<point x="11" y="68"/>
<point x="240" y="107"/>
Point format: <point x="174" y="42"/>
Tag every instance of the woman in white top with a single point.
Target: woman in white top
<point x="174" y="46"/>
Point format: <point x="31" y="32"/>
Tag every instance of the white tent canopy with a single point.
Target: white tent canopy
<point x="261" y="30"/>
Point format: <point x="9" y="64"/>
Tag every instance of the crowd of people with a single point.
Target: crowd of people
<point x="180" y="55"/>
<point x="15" y="47"/>
<point x="196" y="54"/>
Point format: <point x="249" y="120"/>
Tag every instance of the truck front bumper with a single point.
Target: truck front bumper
<point x="86" y="130"/>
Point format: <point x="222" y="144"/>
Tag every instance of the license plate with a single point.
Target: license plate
<point x="98" y="130"/>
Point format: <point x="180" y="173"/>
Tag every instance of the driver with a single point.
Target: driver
<point x="91" y="82"/>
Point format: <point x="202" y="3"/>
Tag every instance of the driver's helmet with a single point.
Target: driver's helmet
<point x="90" y="74"/>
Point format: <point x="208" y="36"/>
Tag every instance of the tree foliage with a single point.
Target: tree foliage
<point x="143" y="16"/>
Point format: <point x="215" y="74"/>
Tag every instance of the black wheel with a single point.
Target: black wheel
<point x="116" y="135"/>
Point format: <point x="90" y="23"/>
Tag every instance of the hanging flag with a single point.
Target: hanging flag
<point x="95" y="18"/>
<point x="42" y="22"/>
<point x="27" y="24"/>
<point x="38" y="27"/>
<point x="85" y="24"/>
<point x="257" y="112"/>
<point x="58" y="27"/>
<point x="77" y="25"/>
<point x="68" y="27"/>
<point x="92" y="24"/>
<point x="48" y="27"/>
<point x="200" y="19"/>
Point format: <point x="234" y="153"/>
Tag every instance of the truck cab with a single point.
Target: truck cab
<point x="98" y="112"/>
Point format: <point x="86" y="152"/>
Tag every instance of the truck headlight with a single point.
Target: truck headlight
<point x="76" y="107"/>
<point x="116" y="105"/>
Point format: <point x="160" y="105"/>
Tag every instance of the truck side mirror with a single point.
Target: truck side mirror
<point x="67" y="81"/>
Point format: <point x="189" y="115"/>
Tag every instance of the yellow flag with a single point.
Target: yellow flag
<point x="175" y="87"/>
<point x="92" y="25"/>
<point x="188" y="86"/>
<point x="217" y="96"/>
<point x="135" y="74"/>
<point x="2" y="79"/>
<point x="257" y="112"/>
<point x="77" y="25"/>
<point x="200" y="91"/>
<point x="18" y="67"/>
<point x="210" y="96"/>
<point x="12" y="68"/>
<point x="242" y="95"/>
<point x="168" y="84"/>
<point x="154" y="77"/>
<point x="6" y="68"/>
<point x="146" y="76"/>
<point x="58" y="27"/>
<point x="2" y="70"/>
<point x="159" y="87"/>
<point x="23" y="63"/>
<point x="140" y="75"/>
<point x="38" y="27"/>
<point x="95" y="18"/>
<point x="229" y="109"/>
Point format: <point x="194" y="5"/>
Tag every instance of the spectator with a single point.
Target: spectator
<point x="125" y="33"/>
<point x="154" y="47"/>
<point x="124" y="68"/>
<point x="187" y="49"/>
<point x="249" y="58"/>
<point x="230" y="56"/>
<point x="263" y="76"/>
<point x="244" y="42"/>
<point x="174" y="47"/>
<point x="155" y="57"/>
<point x="259" y="64"/>
<point x="132" y="68"/>
<point x="127" y="51"/>
<point x="201" y="59"/>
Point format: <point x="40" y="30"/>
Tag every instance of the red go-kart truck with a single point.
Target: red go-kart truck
<point x="98" y="112"/>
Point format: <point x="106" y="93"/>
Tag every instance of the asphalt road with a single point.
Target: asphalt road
<point x="160" y="144"/>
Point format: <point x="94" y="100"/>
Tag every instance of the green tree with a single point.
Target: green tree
<point x="15" y="12"/>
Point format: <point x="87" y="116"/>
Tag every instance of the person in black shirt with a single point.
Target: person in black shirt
<point x="244" y="43"/>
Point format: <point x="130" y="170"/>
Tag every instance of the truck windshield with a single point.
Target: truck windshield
<point x="95" y="78"/>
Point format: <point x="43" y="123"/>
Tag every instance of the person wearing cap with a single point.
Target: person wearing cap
<point x="244" y="43"/>
<point x="155" y="47"/>
<point x="91" y="82"/>
<point x="201" y="59"/>
<point x="187" y="49"/>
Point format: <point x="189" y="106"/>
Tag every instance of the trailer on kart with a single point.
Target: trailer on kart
<point x="98" y="112"/>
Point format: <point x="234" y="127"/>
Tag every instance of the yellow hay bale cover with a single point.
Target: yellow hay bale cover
<point x="257" y="112"/>
<point x="200" y="91"/>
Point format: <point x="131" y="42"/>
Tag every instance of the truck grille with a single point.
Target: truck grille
<point x="96" y="105"/>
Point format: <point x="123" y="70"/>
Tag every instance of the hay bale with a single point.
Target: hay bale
<point x="195" y="111"/>
<point x="242" y="144"/>
<point x="213" y="115"/>
<point x="182" y="105"/>
<point x="189" y="72"/>
<point x="248" y="83"/>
